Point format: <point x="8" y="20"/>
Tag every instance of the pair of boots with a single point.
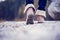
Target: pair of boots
<point x="30" y="19"/>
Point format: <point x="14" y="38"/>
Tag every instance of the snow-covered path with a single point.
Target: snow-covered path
<point x="21" y="31"/>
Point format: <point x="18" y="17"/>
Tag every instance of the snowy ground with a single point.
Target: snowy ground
<point x="21" y="31"/>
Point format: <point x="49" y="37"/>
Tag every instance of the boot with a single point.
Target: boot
<point x="30" y="19"/>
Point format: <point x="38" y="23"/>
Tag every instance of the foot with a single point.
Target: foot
<point x="30" y="19"/>
<point x="40" y="19"/>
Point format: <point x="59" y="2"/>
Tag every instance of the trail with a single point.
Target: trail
<point x="11" y="30"/>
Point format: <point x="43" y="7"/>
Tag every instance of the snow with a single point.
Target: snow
<point x="11" y="30"/>
<point x="2" y="0"/>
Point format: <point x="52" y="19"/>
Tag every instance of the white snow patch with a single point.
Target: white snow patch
<point x="2" y="0"/>
<point x="21" y="31"/>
